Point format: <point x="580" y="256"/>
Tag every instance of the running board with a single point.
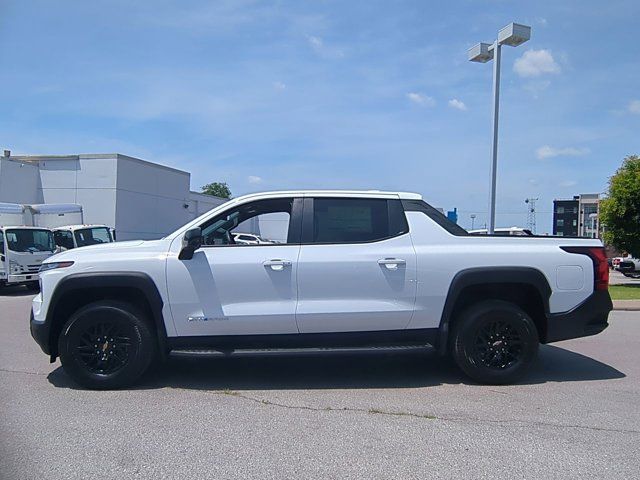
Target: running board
<point x="319" y="342"/>
<point x="295" y="351"/>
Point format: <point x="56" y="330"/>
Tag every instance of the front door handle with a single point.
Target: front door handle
<point x="276" y="264"/>
<point x="392" y="263"/>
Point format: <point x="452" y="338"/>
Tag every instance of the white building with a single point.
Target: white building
<point x="142" y="200"/>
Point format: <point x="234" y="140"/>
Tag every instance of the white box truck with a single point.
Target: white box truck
<point x="23" y="248"/>
<point x="66" y="222"/>
<point x="50" y="215"/>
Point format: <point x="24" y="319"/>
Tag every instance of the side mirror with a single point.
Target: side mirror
<point x="191" y="241"/>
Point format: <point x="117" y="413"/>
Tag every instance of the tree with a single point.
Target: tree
<point x="620" y="210"/>
<point x="218" y="189"/>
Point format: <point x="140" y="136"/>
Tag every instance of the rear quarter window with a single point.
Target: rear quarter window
<point x="435" y="215"/>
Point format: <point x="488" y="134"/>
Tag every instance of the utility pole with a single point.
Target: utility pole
<point x="531" y="214"/>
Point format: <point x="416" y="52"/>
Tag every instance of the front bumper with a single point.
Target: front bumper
<point x="22" y="278"/>
<point x="588" y="318"/>
<point x="40" y="333"/>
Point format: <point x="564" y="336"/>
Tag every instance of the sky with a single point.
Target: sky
<point x="332" y="94"/>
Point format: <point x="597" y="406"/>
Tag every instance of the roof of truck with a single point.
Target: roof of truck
<point x="56" y="208"/>
<point x="23" y="227"/>
<point x="79" y="227"/>
<point x="364" y="193"/>
<point x="12" y="208"/>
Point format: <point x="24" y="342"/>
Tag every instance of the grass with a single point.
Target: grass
<point x="625" y="292"/>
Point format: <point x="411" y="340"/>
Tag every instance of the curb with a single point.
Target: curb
<point x="626" y="305"/>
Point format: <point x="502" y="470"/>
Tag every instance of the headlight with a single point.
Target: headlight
<point x="45" y="267"/>
<point x="14" y="267"/>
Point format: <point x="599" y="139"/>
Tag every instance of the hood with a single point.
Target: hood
<point x="108" y="249"/>
<point x="127" y="244"/>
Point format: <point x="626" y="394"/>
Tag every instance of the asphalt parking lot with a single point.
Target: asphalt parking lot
<point x="391" y="415"/>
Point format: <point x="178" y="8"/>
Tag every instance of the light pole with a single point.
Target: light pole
<point x="513" y="35"/>
<point x="473" y="219"/>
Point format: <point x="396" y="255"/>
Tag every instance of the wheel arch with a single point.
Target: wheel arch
<point x="80" y="289"/>
<point x="525" y="286"/>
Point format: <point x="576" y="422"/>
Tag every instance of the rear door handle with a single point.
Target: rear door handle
<point x="392" y="263"/>
<point x="276" y="264"/>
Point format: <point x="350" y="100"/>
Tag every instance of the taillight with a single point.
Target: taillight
<point x="600" y="266"/>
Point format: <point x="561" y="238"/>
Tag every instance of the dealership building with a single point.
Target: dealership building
<point x="140" y="199"/>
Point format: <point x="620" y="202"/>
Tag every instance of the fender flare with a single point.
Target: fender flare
<point x="483" y="276"/>
<point x="98" y="280"/>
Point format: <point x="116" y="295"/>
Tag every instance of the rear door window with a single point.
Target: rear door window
<point x="356" y="220"/>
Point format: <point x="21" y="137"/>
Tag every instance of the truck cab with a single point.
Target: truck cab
<point x="74" y="236"/>
<point x="22" y="251"/>
<point x="23" y="248"/>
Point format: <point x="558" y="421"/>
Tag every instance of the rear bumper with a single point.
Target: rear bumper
<point x="40" y="333"/>
<point x="588" y="318"/>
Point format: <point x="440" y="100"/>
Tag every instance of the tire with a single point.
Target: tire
<point x="494" y="342"/>
<point x="107" y="345"/>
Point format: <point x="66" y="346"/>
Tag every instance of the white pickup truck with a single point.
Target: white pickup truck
<point x="357" y="269"/>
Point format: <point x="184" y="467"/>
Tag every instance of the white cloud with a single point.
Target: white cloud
<point x="634" y="106"/>
<point x="279" y="85"/>
<point x="421" y="99"/>
<point x="549" y="152"/>
<point x="326" y="51"/>
<point x="253" y="179"/>
<point x="458" y="104"/>
<point x="315" y="42"/>
<point x="534" y="63"/>
<point x="568" y="183"/>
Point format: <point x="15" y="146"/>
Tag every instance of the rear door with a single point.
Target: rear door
<point x="357" y="266"/>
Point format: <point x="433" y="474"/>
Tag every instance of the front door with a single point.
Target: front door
<point x="357" y="266"/>
<point x="229" y="288"/>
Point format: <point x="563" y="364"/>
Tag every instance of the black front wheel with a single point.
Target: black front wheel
<point x="494" y="342"/>
<point x="106" y="345"/>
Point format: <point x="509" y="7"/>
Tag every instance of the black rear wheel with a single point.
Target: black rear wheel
<point x="106" y="345"/>
<point x="494" y="342"/>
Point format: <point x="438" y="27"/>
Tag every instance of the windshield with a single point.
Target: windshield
<point x="92" y="236"/>
<point x="30" y="240"/>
